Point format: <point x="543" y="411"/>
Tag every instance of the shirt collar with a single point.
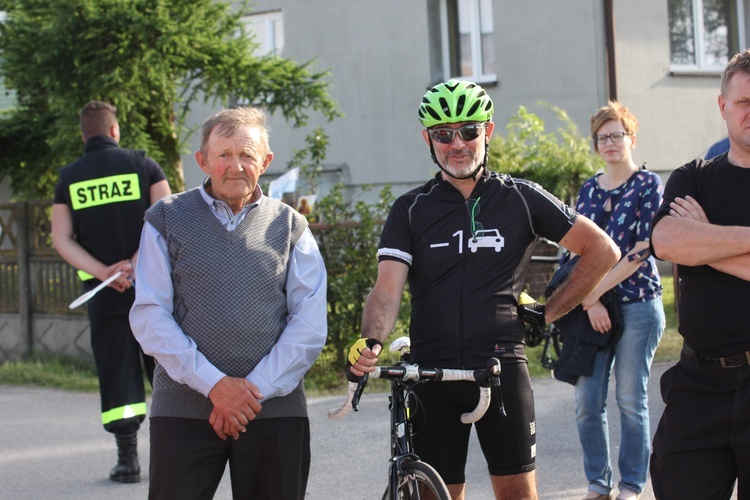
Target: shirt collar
<point x="221" y="209"/>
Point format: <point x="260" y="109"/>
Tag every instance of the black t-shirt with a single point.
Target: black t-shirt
<point x="108" y="192"/>
<point x="465" y="290"/>
<point x="712" y="304"/>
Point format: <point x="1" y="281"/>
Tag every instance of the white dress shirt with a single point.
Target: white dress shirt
<point x="281" y="370"/>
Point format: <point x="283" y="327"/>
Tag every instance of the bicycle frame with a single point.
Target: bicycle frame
<point x="549" y="338"/>
<point x="401" y="433"/>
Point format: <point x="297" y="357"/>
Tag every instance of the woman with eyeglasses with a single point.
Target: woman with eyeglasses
<point x="622" y="200"/>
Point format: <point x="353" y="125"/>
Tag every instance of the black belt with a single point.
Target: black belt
<point x="734" y="361"/>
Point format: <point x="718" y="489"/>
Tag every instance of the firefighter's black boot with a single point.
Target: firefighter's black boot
<point x="127" y="469"/>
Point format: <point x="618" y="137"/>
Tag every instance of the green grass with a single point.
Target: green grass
<point x="50" y="372"/>
<point x="79" y="376"/>
<point x="671" y="342"/>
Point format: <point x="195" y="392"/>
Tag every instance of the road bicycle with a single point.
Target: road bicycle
<point x="548" y="336"/>
<point x="550" y="340"/>
<point x="409" y="478"/>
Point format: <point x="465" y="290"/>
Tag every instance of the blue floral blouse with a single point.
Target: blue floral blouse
<point x="626" y="214"/>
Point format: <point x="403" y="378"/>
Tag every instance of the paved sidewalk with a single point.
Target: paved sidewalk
<point x="52" y="446"/>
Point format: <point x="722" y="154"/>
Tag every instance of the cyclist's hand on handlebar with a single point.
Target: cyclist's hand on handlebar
<point x="363" y="355"/>
<point x="531" y="311"/>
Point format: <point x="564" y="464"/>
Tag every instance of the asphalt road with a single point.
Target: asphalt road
<point x="52" y="446"/>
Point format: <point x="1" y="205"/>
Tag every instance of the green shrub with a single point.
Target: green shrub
<point x="560" y="161"/>
<point x="348" y="235"/>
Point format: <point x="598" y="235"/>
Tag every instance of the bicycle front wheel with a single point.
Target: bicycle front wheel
<point x="418" y="480"/>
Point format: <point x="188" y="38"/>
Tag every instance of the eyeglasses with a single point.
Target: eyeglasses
<point x="473" y="207"/>
<point x="615" y="136"/>
<point x="446" y="135"/>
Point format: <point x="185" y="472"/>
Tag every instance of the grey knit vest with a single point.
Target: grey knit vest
<point x="229" y="294"/>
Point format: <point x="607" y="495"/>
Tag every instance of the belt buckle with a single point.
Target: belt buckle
<point x="739" y="363"/>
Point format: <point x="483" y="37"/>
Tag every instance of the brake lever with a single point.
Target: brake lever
<point x="493" y="371"/>
<point x="358" y="392"/>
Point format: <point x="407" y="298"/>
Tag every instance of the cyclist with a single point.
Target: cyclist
<point x="463" y="242"/>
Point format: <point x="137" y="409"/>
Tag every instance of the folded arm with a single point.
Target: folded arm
<point x="598" y="254"/>
<point x="687" y="237"/>
<point x="625" y="267"/>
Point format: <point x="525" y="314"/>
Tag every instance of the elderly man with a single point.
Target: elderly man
<point x="230" y="300"/>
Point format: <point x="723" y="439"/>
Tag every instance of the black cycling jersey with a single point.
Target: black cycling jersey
<point x="465" y="274"/>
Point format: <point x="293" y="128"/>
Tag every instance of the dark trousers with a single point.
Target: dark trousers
<point x="702" y="444"/>
<point x="120" y="363"/>
<point x="271" y="461"/>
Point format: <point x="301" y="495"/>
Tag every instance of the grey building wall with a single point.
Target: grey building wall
<point x="678" y="114"/>
<point x="552" y="51"/>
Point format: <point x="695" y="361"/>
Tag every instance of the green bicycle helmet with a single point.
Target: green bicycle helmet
<point x="455" y="101"/>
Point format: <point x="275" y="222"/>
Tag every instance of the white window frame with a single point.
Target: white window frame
<point x="7" y="97"/>
<point x="476" y="43"/>
<point x="701" y="65"/>
<point x="273" y="28"/>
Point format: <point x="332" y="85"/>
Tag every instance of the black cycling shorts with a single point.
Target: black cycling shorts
<point x="508" y="443"/>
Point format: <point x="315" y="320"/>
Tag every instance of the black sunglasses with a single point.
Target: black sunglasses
<point x="446" y="135"/>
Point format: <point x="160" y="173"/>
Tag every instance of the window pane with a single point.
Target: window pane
<point x="268" y="31"/>
<point x="465" y="25"/>
<point x="681" y="31"/>
<point x="462" y="38"/>
<point x="716" y="32"/>
<point x="488" y="37"/>
<point x="278" y="37"/>
<point x="454" y="37"/>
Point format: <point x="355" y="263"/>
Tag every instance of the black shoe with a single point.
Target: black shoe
<point x="127" y="469"/>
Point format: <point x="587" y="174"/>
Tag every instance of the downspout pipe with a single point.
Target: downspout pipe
<point x="609" y="24"/>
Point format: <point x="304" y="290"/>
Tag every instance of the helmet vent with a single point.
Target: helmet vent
<point x="445" y="107"/>
<point x="432" y="113"/>
<point x="460" y="105"/>
<point x="474" y="108"/>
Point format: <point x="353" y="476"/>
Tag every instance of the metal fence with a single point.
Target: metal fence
<point x="33" y="277"/>
<point x="36" y="286"/>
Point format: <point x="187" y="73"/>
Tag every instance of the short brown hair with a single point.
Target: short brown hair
<point x="613" y="111"/>
<point x="740" y="63"/>
<point x="96" y="118"/>
<point x="230" y="121"/>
